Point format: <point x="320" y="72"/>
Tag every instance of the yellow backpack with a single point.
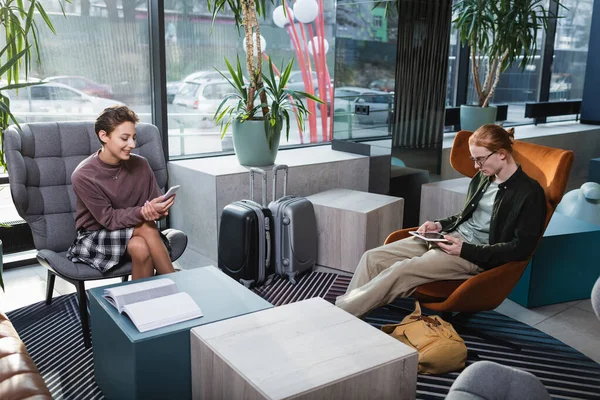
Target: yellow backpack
<point x="440" y="348"/>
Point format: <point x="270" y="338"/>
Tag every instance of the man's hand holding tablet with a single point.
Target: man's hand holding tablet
<point x="430" y="232"/>
<point x="430" y="236"/>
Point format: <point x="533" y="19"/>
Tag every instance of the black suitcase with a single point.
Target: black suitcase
<point x="245" y="237"/>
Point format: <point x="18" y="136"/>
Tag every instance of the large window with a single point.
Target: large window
<point x="194" y="49"/>
<point x="570" y="50"/>
<point x="453" y="65"/>
<point x="98" y="57"/>
<point x="365" y="66"/>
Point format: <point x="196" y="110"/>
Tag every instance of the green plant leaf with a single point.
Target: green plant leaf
<point x="5" y="112"/>
<point x="45" y="17"/>
<point x="310" y="96"/>
<point x="11" y="62"/>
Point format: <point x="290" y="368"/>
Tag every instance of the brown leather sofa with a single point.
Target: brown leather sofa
<point x="19" y="377"/>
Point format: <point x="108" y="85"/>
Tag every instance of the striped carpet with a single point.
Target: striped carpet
<point x="52" y="335"/>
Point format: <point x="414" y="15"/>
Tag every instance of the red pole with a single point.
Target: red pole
<point x="302" y="62"/>
<point x="308" y="86"/>
<point x="320" y="72"/>
<point x="321" y="26"/>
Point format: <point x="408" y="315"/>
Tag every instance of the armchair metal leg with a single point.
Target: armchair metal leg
<point x="50" y="286"/>
<point x="125" y="278"/>
<point x="83" y="313"/>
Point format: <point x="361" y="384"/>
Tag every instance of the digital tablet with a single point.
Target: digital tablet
<point x="430" y="236"/>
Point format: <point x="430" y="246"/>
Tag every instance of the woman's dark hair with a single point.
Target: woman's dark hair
<point x="493" y="137"/>
<point x="112" y="117"/>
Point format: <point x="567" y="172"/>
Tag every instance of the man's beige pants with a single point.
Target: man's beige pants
<point x="396" y="270"/>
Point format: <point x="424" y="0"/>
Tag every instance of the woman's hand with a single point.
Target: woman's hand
<point x="149" y="213"/>
<point x="162" y="205"/>
<point x="429" y="226"/>
<point x="454" y="247"/>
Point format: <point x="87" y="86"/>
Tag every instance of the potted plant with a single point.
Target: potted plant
<point x="499" y="33"/>
<point x="259" y="110"/>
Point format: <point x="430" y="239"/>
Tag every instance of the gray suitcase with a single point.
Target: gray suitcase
<point x="294" y="231"/>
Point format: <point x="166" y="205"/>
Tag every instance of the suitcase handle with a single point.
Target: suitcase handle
<point x="285" y="178"/>
<point x="268" y="260"/>
<point x="264" y="184"/>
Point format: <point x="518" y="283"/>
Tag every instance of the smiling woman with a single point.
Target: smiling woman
<point x="118" y="201"/>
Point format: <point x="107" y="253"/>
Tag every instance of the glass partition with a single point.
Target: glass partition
<point x="570" y="50"/>
<point x="365" y="66"/>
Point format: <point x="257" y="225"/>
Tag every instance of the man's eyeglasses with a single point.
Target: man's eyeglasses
<point x="481" y="160"/>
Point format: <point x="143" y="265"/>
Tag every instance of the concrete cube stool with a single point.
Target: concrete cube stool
<point x="309" y="350"/>
<point x="350" y="222"/>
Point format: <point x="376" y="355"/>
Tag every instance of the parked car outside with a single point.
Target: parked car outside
<point x="172" y="89"/>
<point x="347" y="97"/>
<point x="211" y="75"/>
<point x="197" y="101"/>
<point x="84" y="84"/>
<point x="54" y="101"/>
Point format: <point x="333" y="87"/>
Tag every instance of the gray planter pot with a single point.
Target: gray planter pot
<point x="472" y="117"/>
<point x="250" y="143"/>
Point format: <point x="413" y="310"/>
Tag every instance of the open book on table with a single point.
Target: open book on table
<point x="153" y="304"/>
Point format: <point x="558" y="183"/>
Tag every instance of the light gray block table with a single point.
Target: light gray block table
<point x="350" y="222"/>
<point x="305" y="350"/>
<point x="209" y="184"/>
<point x="442" y="199"/>
<point x="156" y="364"/>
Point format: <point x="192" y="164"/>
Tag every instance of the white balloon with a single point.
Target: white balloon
<point x="263" y="44"/>
<point x="315" y="41"/>
<point x="279" y="18"/>
<point x="306" y="10"/>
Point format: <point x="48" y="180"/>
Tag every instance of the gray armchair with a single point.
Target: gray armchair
<point x="41" y="158"/>
<point x="485" y="380"/>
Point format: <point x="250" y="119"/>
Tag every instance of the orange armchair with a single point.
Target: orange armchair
<point x="485" y="291"/>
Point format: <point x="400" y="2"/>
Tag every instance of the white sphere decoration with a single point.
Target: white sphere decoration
<point x="315" y="41"/>
<point x="263" y="44"/>
<point x="306" y="10"/>
<point x="280" y="19"/>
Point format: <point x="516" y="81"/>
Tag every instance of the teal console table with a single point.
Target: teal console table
<point x="156" y="364"/>
<point x="565" y="265"/>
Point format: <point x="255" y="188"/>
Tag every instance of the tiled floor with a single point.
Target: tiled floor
<point x="574" y="323"/>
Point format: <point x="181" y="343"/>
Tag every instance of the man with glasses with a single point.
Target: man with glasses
<point x="501" y="222"/>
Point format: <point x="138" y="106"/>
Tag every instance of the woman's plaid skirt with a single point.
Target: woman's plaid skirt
<point x="101" y="249"/>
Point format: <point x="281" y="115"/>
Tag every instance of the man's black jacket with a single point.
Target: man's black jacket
<point x="518" y="217"/>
